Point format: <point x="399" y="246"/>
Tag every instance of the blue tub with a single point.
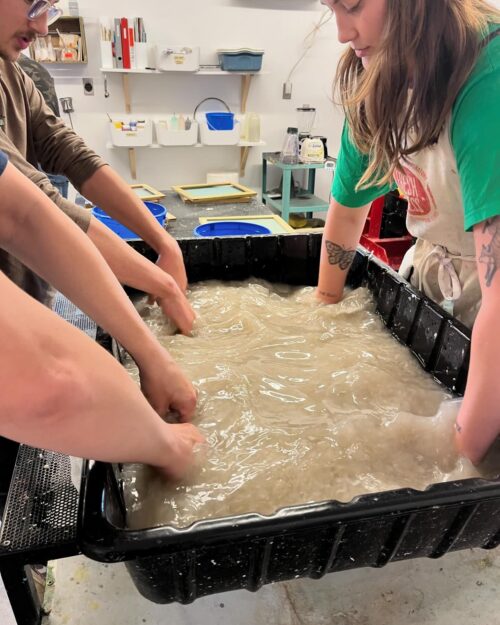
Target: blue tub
<point x="158" y="211"/>
<point x="229" y="228"/>
<point x="220" y="120"/>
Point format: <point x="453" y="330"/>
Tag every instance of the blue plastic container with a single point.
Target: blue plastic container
<point x="220" y="120"/>
<point x="240" y="60"/>
<point x="158" y="211"/>
<point x="229" y="228"/>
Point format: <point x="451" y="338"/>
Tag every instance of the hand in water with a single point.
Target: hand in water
<point x="170" y="259"/>
<point x="175" y="305"/>
<point x="476" y="434"/>
<point x="184" y="439"/>
<point x="165" y="385"/>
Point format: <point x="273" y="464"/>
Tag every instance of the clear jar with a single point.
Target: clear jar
<point x="290" y="152"/>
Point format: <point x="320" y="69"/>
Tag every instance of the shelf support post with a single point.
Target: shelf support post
<point x="246" y="79"/>
<point x="132" y="159"/>
<point x="244" y="151"/>
<point x="126" y="93"/>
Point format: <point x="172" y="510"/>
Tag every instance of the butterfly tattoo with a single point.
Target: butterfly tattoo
<point x="337" y="255"/>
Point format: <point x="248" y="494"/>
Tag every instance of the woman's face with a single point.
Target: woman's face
<point x="361" y="24"/>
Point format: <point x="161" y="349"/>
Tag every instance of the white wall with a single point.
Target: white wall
<point x="277" y="26"/>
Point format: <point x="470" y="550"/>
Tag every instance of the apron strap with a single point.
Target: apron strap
<point x="448" y="280"/>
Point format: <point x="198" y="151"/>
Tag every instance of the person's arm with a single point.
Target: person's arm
<point x="61" y="150"/>
<point x="107" y="190"/>
<point x="131" y="268"/>
<point x="63" y="392"/>
<point x="478" y="423"/>
<point x="341" y="236"/>
<point x="36" y="232"/>
<point x="138" y="272"/>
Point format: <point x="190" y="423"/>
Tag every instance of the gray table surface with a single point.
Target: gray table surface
<point x="188" y="215"/>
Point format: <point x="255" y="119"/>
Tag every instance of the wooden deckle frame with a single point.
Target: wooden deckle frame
<point x="150" y="194"/>
<point x="211" y="193"/>
<point x="286" y="228"/>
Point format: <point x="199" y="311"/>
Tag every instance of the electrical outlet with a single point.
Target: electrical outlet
<point x="287" y="91"/>
<point x="88" y="86"/>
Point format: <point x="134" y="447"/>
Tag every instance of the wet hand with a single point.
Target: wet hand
<point x="170" y="259"/>
<point x="175" y="305"/>
<point x="184" y="443"/>
<point x="165" y="385"/>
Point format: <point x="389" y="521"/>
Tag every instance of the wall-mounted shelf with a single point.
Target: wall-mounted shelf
<point x="246" y="79"/>
<point x="243" y="145"/>
<point x="68" y="27"/>
<point x="157" y="146"/>
<point x="200" y="72"/>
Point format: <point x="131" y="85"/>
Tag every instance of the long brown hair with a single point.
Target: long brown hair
<point x="399" y="104"/>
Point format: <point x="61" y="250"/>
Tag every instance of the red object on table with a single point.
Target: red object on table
<point x="388" y="250"/>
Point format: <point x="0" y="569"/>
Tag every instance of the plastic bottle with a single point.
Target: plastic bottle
<point x="174" y="122"/>
<point x="290" y="152"/>
<point x="253" y="128"/>
<point x="245" y="127"/>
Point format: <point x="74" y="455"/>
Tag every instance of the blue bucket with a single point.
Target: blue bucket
<point x="158" y="211"/>
<point x="229" y="228"/>
<point x="220" y="120"/>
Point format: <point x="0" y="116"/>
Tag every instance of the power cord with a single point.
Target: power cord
<point x="309" y="41"/>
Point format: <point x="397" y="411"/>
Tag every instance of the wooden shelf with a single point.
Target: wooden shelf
<point x="200" y="72"/>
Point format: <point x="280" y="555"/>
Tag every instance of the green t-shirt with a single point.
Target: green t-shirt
<point x="475" y="139"/>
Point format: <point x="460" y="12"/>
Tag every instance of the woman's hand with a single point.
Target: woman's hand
<point x="478" y="422"/>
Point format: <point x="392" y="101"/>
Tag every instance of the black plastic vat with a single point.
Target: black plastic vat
<point x="169" y="564"/>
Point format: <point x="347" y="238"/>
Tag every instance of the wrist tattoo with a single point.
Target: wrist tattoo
<point x="327" y="294"/>
<point x="490" y="254"/>
<point x="338" y="255"/>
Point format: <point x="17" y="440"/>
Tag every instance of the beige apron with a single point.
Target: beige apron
<point x="448" y="279"/>
<point x="444" y="256"/>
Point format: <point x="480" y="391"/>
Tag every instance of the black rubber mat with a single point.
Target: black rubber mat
<point x="42" y="506"/>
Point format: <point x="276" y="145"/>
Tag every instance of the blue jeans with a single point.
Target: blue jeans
<point x="61" y="183"/>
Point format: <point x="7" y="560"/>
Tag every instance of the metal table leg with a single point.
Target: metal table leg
<point x="264" y="179"/>
<point x="286" y="193"/>
<point x="311" y="183"/>
<point x="23" y="597"/>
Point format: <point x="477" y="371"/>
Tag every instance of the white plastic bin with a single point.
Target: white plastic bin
<point x="165" y="136"/>
<point x="177" y="58"/>
<point x="219" y="137"/>
<point x="140" y="136"/>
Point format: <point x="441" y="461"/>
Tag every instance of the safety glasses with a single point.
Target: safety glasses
<point x="45" y="6"/>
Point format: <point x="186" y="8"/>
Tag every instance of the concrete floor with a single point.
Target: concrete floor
<point x="459" y="589"/>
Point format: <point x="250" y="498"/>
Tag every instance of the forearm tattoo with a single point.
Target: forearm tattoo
<point x="490" y="254"/>
<point x="338" y="255"/>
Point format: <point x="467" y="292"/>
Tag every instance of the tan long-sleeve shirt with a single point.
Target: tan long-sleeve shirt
<point x="30" y="134"/>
